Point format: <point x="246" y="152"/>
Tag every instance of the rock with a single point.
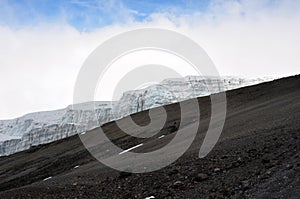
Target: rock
<point x="201" y="177"/>
<point x="123" y="174"/>
<point x="212" y="195"/>
<point x="178" y="184"/>
<point x="217" y="170"/>
<point x="165" y="194"/>
<point x="245" y="184"/>
<point x="265" y="161"/>
<point x="239" y="160"/>
<point x="236" y="164"/>
<point x="288" y="166"/>
<point x="172" y="172"/>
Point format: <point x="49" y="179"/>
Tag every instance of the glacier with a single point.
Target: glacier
<point x="44" y="127"/>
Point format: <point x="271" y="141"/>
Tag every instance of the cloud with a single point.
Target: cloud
<point x="39" y="64"/>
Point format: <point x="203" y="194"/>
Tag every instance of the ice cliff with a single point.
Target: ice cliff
<point x="44" y="127"/>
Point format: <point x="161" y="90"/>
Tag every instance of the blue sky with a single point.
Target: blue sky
<point x="87" y="15"/>
<point x="91" y="14"/>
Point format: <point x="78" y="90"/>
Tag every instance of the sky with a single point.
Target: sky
<point x="43" y="44"/>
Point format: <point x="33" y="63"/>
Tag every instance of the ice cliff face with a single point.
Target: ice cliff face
<point x="44" y="127"/>
<point x="175" y="90"/>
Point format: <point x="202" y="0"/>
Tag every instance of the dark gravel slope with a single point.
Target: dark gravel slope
<point x="257" y="156"/>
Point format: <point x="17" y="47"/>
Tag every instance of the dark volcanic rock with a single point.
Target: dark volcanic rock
<point x="201" y="177"/>
<point x="124" y="175"/>
<point x="178" y="184"/>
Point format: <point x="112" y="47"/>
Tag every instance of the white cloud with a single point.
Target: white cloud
<point x="39" y="65"/>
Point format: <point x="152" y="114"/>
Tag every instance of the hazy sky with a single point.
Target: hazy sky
<point x="43" y="44"/>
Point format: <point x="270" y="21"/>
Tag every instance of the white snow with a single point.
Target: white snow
<point x="150" y="197"/>
<point x="4" y="137"/>
<point x="47" y="178"/>
<point x="125" y="151"/>
<point x="161" y="136"/>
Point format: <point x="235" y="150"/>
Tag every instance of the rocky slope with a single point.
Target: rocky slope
<point x="257" y="156"/>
